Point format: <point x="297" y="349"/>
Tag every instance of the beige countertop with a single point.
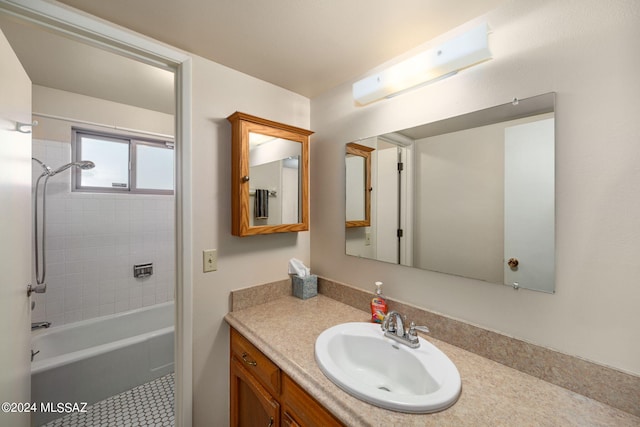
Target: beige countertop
<point x="285" y="330"/>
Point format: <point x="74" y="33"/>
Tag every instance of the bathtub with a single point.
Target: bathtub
<point x="91" y="360"/>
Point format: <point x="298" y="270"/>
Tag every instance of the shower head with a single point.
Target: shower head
<point x="86" y="164"/>
<point x="83" y="164"/>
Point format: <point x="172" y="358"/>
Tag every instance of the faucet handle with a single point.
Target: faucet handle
<point x="413" y="328"/>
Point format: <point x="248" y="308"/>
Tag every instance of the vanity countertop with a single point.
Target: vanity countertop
<point x="285" y="330"/>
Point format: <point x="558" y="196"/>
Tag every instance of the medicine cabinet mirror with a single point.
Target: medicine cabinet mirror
<point x="358" y="172"/>
<point x="269" y="176"/>
<point x="471" y="196"/>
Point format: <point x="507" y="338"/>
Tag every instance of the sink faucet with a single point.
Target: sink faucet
<point x="393" y="323"/>
<point x="393" y="327"/>
<point x="40" y="325"/>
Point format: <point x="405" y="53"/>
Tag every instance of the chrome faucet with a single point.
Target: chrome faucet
<point x="40" y="325"/>
<point x="393" y="327"/>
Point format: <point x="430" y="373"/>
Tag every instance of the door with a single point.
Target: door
<point x="529" y="205"/>
<point x="387" y="212"/>
<point x="251" y="404"/>
<point x="15" y="235"/>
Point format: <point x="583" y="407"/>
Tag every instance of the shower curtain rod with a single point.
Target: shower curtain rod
<point x="86" y="122"/>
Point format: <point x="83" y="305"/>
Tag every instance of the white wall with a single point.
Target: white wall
<point x="587" y="52"/>
<point x="460" y="203"/>
<point x="242" y="261"/>
<point x="94" y="239"/>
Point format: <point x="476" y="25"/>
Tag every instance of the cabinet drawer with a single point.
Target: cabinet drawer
<point x="302" y="409"/>
<point x="255" y="362"/>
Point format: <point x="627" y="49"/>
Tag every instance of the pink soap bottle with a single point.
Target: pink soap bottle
<point x="378" y="305"/>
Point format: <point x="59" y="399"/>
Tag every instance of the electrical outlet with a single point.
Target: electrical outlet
<point x="367" y="238"/>
<point x="209" y="260"/>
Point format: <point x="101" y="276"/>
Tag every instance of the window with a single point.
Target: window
<point x="123" y="164"/>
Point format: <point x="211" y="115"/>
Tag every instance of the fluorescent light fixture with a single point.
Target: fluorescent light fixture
<point x="462" y="51"/>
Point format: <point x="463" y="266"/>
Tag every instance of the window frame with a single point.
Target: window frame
<point x="132" y="142"/>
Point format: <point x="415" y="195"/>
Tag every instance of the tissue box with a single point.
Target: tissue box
<point x="305" y="287"/>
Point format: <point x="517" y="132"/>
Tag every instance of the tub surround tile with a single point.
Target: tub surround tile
<point x="607" y="385"/>
<point x="492" y="393"/>
<point x="93" y="240"/>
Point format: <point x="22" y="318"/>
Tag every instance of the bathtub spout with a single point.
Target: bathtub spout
<point x="40" y="325"/>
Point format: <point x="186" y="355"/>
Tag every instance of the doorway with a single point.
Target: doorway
<point x="104" y="36"/>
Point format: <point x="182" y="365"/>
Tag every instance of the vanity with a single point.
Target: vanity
<point x="279" y="334"/>
<point x="262" y="394"/>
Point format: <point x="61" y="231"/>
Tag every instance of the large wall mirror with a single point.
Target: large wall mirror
<point x="472" y="196"/>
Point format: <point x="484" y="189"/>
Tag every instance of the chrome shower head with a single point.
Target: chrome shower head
<point x="86" y="164"/>
<point x="83" y="164"/>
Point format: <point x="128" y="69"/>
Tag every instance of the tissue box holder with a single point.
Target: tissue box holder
<point x="305" y="287"/>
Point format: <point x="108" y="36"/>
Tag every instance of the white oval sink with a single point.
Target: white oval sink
<point x="359" y="359"/>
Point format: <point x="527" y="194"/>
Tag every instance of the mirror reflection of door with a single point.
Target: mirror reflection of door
<point x="529" y="204"/>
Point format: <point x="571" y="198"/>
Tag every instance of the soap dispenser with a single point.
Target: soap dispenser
<point x="378" y="305"/>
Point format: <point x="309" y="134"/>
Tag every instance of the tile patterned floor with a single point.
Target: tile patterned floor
<point x="150" y="404"/>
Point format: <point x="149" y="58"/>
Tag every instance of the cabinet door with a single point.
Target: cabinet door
<point x="251" y="404"/>
<point x="300" y="409"/>
<point x="288" y="421"/>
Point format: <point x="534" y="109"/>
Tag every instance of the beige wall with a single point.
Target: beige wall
<point x="217" y="93"/>
<point x="586" y="52"/>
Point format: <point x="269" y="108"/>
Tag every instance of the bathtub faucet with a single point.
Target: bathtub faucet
<point x="40" y="325"/>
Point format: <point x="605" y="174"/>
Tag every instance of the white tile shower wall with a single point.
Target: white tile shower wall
<point x="93" y="241"/>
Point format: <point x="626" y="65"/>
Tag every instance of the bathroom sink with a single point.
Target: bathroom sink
<point x="359" y="359"/>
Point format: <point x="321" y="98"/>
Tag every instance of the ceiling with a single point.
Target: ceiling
<point x="306" y="46"/>
<point x="58" y="62"/>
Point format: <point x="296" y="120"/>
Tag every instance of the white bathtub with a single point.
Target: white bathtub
<point x="93" y="359"/>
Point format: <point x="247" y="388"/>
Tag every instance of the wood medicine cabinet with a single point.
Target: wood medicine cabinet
<point x="269" y="176"/>
<point x="358" y="188"/>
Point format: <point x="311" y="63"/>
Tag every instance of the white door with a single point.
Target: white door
<point x="387" y="206"/>
<point x="15" y="236"/>
<point x="529" y="205"/>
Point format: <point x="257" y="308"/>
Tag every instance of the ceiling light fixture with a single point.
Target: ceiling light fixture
<point x="463" y="51"/>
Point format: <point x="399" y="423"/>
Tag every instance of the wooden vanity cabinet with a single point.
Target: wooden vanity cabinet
<point x="263" y="395"/>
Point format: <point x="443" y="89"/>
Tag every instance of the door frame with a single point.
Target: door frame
<point x="108" y="36"/>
